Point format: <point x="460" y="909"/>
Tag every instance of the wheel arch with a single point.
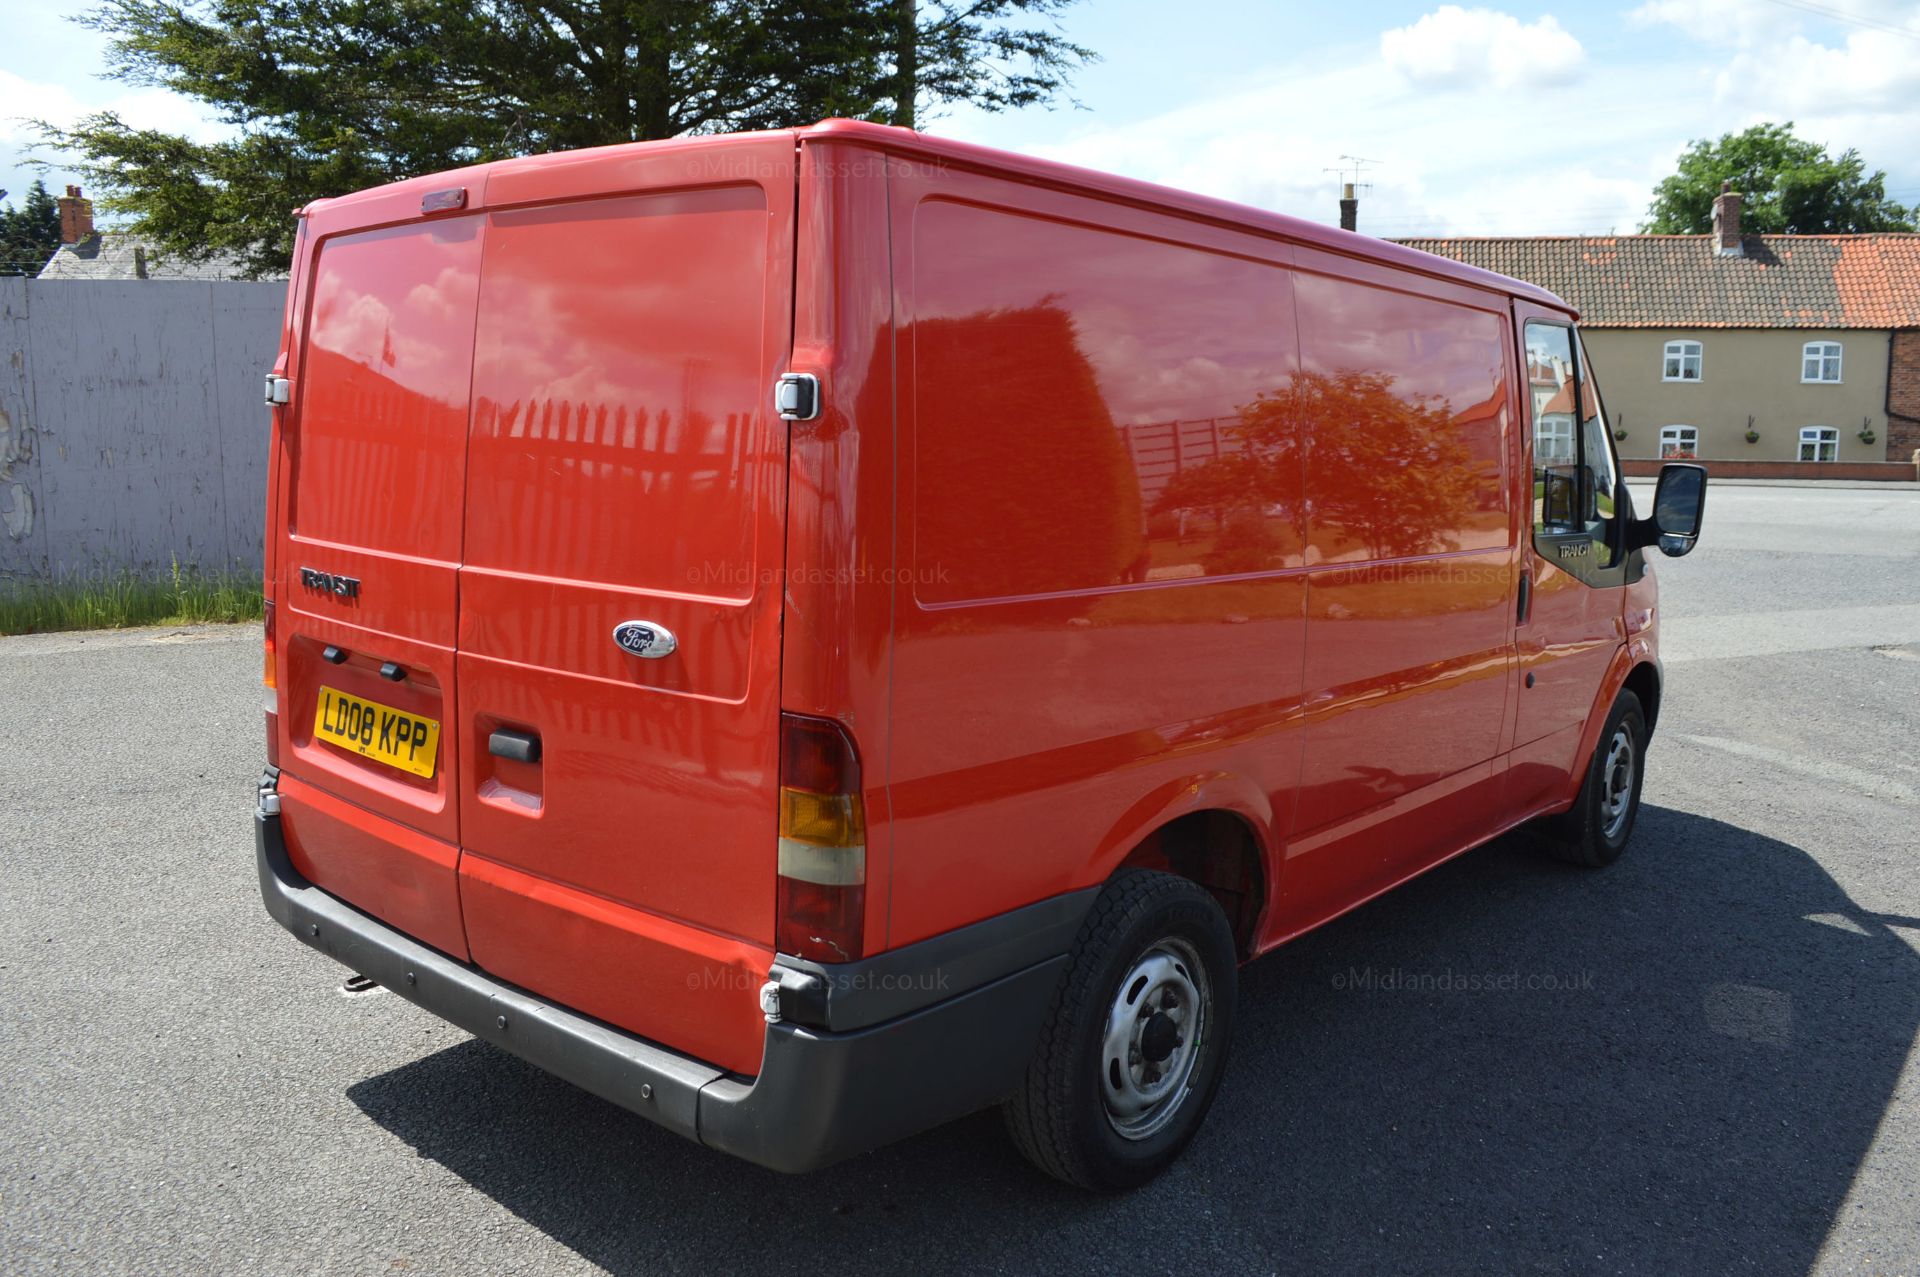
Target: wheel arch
<point x="1643" y="680"/>
<point x="1220" y="849"/>
<point x="1631" y="658"/>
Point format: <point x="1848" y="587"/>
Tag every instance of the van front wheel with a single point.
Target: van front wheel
<point x="1132" y="1050"/>
<point x="1595" y="830"/>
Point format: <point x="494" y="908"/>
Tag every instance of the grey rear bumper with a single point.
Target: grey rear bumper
<point x="820" y="1095"/>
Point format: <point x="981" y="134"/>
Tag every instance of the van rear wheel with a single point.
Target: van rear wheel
<point x="1131" y="1054"/>
<point x="1595" y="830"/>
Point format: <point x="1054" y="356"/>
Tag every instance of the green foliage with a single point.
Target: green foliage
<point x="1787" y="184"/>
<point x="184" y="597"/>
<point x="967" y="51"/>
<point x="30" y="234"/>
<point x="330" y="96"/>
<point x="1391" y="473"/>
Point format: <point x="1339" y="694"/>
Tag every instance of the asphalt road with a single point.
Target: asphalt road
<point x="1706" y="1067"/>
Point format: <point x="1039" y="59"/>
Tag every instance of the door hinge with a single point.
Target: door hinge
<point x="279" y="390"/>
<point x="796" y="396"/>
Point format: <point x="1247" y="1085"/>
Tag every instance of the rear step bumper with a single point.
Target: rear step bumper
<point x="820" y="1095"/>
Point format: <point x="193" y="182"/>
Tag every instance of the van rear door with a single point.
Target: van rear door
<point x="373" y="474"/>
<point x="626" y="469"/>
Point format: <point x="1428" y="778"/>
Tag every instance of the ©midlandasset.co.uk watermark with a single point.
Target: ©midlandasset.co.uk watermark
<point x="1401" y="980"/>
<point x="746" y="574"/>
<point x="733" y="979"/>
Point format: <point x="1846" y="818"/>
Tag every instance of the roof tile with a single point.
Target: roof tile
<point x="1677" y="281"/>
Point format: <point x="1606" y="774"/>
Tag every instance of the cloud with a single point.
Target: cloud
<point x="1858" y="91"/>
<point x="1873" y="71"/>
<point x="1572" y="154"/>
<point x="1477" y="167"/>
<point x="23" y="100"/>
<point x="1746" y="24"/>
<point x="1457" y="48"/>
<point x="1716" y="21"/>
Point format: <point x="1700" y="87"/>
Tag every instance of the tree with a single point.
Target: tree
<point x="1391" y="470"/>
<point x="30" y="234"/>
<point x="329" y="96"/>
<point x="1787" y="184"/>
<point x="967" y="51"/>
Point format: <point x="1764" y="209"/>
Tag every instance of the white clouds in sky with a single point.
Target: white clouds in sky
<point x="1489" y="123"/>
<point x="23" y="100"/>
<point x="1467" y="48"/>
<point x="1861" y="91"/>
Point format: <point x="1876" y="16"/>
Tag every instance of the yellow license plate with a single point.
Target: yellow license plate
<point x="377" y="731"/>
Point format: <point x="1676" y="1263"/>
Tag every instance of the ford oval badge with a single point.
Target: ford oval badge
<point x="645" y="638"/>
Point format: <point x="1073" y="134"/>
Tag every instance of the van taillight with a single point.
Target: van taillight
<point x="266" y="670"/>
<point x="823" y="843"/>
<point x="268" y="678"/>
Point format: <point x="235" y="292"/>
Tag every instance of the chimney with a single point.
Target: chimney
<point x="1349" y="209"/>
<point x="76" y="216"/>
<point x="1726" y="222"/>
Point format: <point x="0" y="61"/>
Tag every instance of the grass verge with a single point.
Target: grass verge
<point x="186" y="596"/>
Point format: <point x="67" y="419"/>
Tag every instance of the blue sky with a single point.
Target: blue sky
<point x="1504" y="118"/>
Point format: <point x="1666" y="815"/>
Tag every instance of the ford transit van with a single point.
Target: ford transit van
<point x="810" y="634"/>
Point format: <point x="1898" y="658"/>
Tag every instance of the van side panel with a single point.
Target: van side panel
<point x="1102" y="477"/>
<point x="841" y="587"/>
<point x="1411" y="402"/>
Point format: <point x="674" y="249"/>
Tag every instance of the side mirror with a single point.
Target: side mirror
<point x="1679" y="505"/>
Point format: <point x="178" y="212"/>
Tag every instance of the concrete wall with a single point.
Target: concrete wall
<point x="1742" y="371"/>
<point x="131" y="428"/>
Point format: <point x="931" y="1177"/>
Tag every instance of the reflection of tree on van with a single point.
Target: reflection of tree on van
<point x="1034" y="448"/>
<point x="1390" y="475"/>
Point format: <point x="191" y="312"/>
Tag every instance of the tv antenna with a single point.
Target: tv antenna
<point x="1350" y="170"/>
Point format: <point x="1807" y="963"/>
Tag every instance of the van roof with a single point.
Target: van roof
<point x="1332" y="239"/>
<point x="908" y="142"/>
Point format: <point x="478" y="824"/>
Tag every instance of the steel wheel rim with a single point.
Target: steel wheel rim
<point x="1155" y="1033"/>
<point x="1616" y="783"/>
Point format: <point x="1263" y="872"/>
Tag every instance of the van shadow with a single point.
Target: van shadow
<point x="1674" y="1065"/>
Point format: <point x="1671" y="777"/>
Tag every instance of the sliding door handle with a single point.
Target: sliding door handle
<point x="521" y="747"/>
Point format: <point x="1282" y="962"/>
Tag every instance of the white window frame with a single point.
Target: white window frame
<point x="1678" y="437"/>
<point x="1555" y="429"/>
<point x="1820" y="439"/>
<point x="1818" y="355"/>
<point x="1684" y="350"/>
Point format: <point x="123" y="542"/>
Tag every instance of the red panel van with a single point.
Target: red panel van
<point x="810" y="634"/>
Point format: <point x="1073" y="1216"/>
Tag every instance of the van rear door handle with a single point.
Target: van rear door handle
<point x="1526" y="596"/>
<point x="521" y="747"/>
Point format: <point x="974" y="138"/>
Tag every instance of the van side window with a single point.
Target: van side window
<point x="1552" y="388"/>
<point x="1575" y="476"/>
<point x="1602" y="472"/>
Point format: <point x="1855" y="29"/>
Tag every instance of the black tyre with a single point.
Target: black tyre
<point x="1595" y="830"/>
<point x="1132" y="1050"/>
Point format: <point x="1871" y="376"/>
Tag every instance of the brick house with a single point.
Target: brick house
<point x="88" y="253"/>
<point x="1801" y="352"/>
